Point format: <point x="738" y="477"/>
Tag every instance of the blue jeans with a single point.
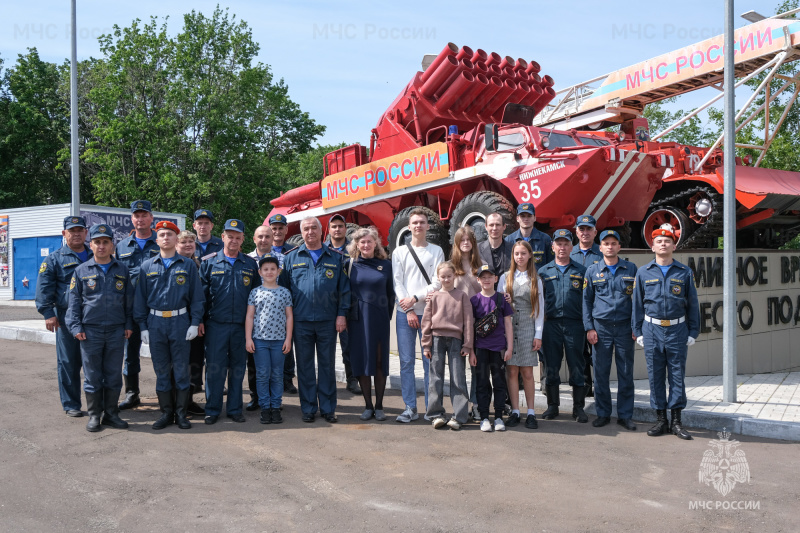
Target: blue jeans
<point x="68" y="359"/>
<point x="269" y="358"/>
<point x="407" y="340"/>
<point x="317" y="390"/>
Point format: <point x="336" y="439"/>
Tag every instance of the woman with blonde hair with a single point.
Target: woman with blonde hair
<point x="467" y="261"/>
<point x="524" y="288"/>
<point x="371" y="307"/>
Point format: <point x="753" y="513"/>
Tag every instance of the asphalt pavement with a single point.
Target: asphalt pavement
<point x="356" y="476"/>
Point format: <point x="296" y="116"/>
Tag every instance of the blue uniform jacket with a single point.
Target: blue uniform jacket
<point x="213" y="246"/>
<point x="55" y="274"/>
<point x="227" y="287"/>
<point x="665" y="298"/>
<point x="592" y="256"/>
<point x="100" y="299"/>
<point x="541" y="243"/>
<point x="321" y="291"/>
<point x="607" y="296"/>
<point x="563" y="294"/>
<point x="168" y="289"/>
<point x="129" y="254"/>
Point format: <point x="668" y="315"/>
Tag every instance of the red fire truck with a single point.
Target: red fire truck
<point x="477" y="133"/>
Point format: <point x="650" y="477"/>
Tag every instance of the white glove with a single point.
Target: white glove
<point x="145" y="337"/>
<point x="690" y="341"/>
<point x="191" y="333"/>
<point x="640" y="341"/>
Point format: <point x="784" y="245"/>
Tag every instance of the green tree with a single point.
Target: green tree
<point x="191" y="121"/>
<point x="34" y="126"/>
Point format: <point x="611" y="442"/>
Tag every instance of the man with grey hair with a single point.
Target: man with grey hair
<point x="321" y="299"/>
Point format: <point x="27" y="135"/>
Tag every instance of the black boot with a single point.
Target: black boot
<point x="131" y="392"/>
<point x="94" y="406"/>
<point x="578" y="402"/>
<point x="676" y="427"/>
<point x="193" y="408"/>
<point x="553" y="401"/>
<point x="662" y="426"/>
<point x="167" y="410"/>
<point x="111" y="410"/>
<point x="181" y="405"/>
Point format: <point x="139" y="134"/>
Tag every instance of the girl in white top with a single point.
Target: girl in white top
<point x="527" y="298"/>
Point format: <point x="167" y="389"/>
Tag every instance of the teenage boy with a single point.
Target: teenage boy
<point x="666" y="321"/>
<point x="607" y="311"/>
<point x="100" y="317"/>
<point x="414" y="272"/>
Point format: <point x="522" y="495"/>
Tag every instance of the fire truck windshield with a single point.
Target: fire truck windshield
<point x="593" y="141"/>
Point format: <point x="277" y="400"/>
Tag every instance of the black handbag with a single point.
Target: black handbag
<point x="485" y="325"/>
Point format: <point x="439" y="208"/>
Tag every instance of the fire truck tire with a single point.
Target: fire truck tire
<point x="399" y="233"/>
<point x="677" y="217"/>
<point x="294" y="240"/>
<point x="351" y="228"/>
<point x="473" y="210"/>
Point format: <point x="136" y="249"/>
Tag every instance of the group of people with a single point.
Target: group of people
<point x="503" y="306"/>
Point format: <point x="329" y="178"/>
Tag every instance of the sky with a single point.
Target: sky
<point x="345" y="61"/>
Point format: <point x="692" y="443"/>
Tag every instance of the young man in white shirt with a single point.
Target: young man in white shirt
<point x="411" y="287"/>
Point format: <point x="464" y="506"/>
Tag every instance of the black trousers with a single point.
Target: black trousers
<point x="491" y="365"/>
<point x="197" y="357"/>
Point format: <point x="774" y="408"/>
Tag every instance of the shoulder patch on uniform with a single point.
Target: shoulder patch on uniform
<point x="43" y="267"/>
<point x="585" y="283"/>
<point x="72" y="283"/>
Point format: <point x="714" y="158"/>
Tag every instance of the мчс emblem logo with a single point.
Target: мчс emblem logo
<point x="724" y="466"/>
<point x="119" y="284"/>
<point x="676" y="290"/>
<point x="180" y="280"/>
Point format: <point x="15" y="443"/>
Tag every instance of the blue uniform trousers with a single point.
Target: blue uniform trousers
<point x="665" y="352"/>
<point x="226" y="356"/>
<point x="614" y="339"/>
<point x="169" y="351"/>
<point x="316" y="389"/>
<point x="102" y="354"/>
<point x="133" y="347"/>
<point x="560" y="336"/>
<point x="68" y="359"/>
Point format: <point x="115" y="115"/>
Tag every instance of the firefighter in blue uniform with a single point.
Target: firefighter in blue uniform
<point x="132" y="251"/>
<point x="666" y="321"/>
<point x="277" y="223"/>
<point x="207" y="244"/>
<point x="540" y="242"/>
<point x="52" y="285"/>
<point x="337" y="241"/>
<point x="169" y="309"/>
<point x="587" y="253"/>
<point x="562" y="279"/>
<point x="321" y="296"/>
<point x="607" y="312"/>
<point x="228" y="278"/>
<point x="100" y="316"/>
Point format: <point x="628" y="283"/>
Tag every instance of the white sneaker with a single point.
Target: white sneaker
<point x="454" y="424"/>
<point x="408" y="415"/>
<point x="486" y="425"/>
<point x="499" y="425"/>
<point x="438" y="422"/>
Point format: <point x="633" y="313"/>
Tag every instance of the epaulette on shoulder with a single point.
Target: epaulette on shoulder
<point x="291" y="250"/>
<point x="208" y="256"/>
<point x="335" y="250"/>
